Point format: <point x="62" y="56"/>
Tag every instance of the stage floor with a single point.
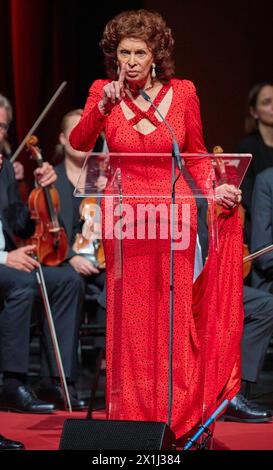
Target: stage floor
<point x="42" y="432"/>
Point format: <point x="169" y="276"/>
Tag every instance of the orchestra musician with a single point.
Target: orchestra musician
<point x="6" y="114"/>
<point x="68" y="171"/>
<point x="19" y="293"/>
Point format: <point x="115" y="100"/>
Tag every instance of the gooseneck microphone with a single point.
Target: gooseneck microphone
<point x="175" y="146"/>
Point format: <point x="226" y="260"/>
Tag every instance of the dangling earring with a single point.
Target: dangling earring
<point x="153" y="71"/>
<point x="118" y="71"/>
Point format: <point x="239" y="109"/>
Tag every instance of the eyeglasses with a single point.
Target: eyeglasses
<point x="3" y="126"/>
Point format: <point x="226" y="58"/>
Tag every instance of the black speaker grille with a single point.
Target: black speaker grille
<point x="85" y="434"/>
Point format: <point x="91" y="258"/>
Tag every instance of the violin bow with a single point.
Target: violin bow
<point x="38" y="121"/>
<point x="41" y="282"/>
<point x="258" y="253"/>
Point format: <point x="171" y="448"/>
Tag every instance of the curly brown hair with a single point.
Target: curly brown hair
<point x="141" y="24"/>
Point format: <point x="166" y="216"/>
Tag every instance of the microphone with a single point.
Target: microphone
<point x="175" y="146"/>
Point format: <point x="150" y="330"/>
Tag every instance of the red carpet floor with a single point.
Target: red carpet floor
<point x="42" y="432"/>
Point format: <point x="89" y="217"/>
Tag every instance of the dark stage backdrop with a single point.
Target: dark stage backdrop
<point x="43" y="43"/>
<point x="223" y="46"/>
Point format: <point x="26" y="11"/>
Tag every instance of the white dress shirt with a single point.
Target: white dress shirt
<point x="3" y="254"/>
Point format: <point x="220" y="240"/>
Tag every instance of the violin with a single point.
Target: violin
<point x="88" y="243"/>
<point x="44" y="205"/>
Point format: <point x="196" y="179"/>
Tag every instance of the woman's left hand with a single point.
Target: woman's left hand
<point x="228" y="196"/>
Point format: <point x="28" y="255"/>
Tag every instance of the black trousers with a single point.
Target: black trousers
<point x="95" y="291"/>
<point x="19" y="294"/>
<point x="258" y="329"/>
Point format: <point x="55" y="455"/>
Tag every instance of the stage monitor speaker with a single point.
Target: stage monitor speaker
<point x="89" y="434"/>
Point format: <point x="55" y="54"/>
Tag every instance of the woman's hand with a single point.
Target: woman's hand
<point x="113" y="93"/>
<point x="46" y="175"/>
<point x="228" y="196"/>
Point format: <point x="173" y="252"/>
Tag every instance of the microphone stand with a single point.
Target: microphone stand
<point x="204" y="428"/>
<point x="171" y="314"/>
<point x="175" y="158"/>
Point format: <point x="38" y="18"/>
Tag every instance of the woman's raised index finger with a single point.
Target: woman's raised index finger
<point x="122" y="74"/>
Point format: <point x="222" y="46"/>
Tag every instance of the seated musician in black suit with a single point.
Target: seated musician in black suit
<point x="18" y="293"/>
<point x="262" y="233"/>
<point x="257" y="331"/>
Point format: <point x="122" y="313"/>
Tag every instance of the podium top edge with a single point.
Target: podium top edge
<point x="135" y="154"/>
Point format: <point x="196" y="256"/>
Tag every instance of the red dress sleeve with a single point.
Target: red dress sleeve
<point x="200" y="168"/>
<point x="83" y="137"/>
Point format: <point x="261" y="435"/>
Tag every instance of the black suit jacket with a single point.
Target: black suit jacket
<point x="262" y="229"/>
<point x="14" y="214"/>
<point x="262" y="159"/>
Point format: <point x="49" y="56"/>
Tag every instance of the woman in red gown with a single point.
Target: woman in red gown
<point x="137" y="47"/>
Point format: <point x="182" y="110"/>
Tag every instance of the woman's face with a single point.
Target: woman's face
<point x="138" y="59"/>
<point x="264" y="106"/>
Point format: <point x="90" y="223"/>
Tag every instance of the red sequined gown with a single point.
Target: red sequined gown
<point x="208" y="315"/>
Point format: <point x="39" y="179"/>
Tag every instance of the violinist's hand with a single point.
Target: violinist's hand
<point x="83" y="266"/>
<point x="228" y="196"/>
<point x="21" y="260"/>
<point x="18" y="170"/>
<point x="1" y="161"/>
<point x="46" y="175"/>
<point x="113" y="93"/>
